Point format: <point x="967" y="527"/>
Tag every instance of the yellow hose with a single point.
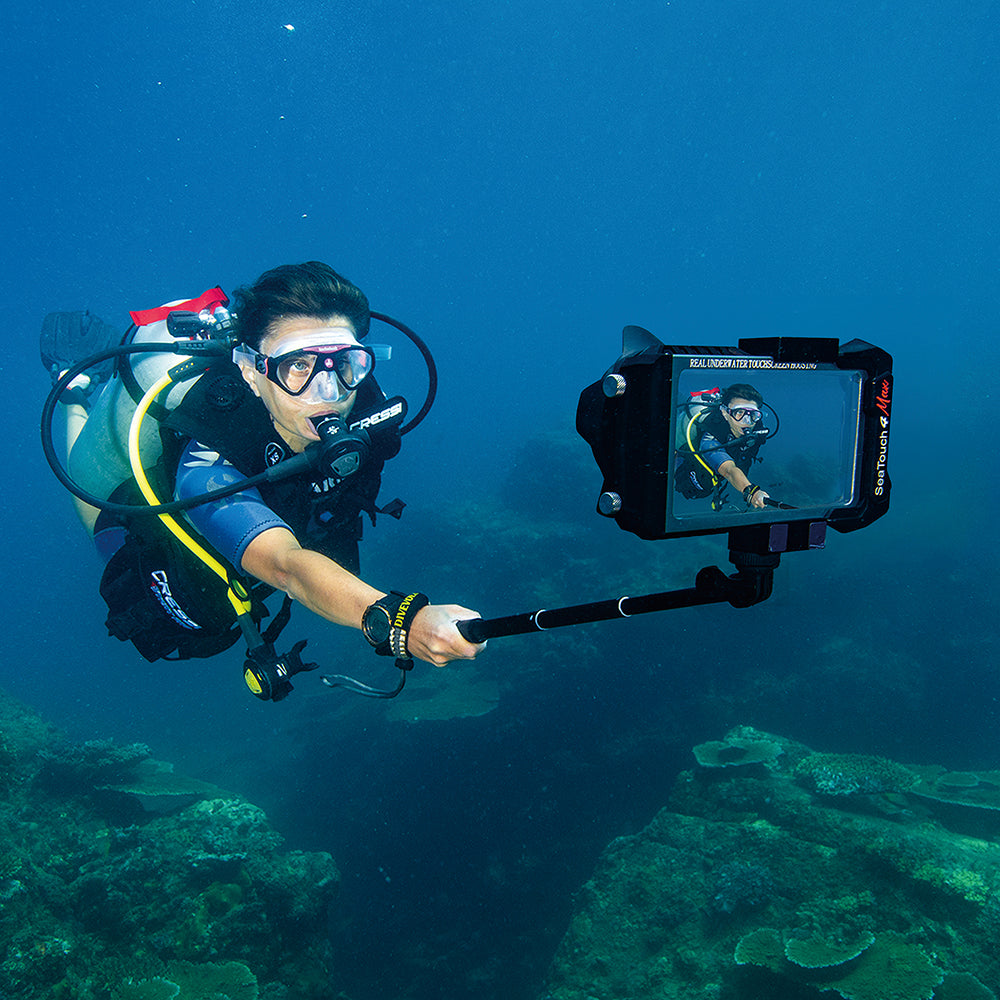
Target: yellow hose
<point x="694" y="451"/>
<point x="240" y="605"/>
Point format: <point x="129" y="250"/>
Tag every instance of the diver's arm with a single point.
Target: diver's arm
<point x="336" y="594"/>
<point x="735" y="475"/>
<point x="231" y="523"/>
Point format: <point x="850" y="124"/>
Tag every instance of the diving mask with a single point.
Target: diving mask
<point x="741" y="413"/>
<point x="320" y="365"/>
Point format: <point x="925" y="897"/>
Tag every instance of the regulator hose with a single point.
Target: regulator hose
<point x="194" y="349"/>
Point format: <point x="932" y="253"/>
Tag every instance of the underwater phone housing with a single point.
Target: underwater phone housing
<point x="650" y="422"/>
<point x="827" y="466"/>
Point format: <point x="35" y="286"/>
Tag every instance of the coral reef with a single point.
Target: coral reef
<point x="875" y="967"/>
<point x="737" y="751"/>
<point x="190" y="981"/>
<point x="120" y="880"/>
<point x="962" y="986"/>
<point x="853" y="774"/>
<point x="813" y="875"/>
<point x="742" y="886"/>
<point x="975" y="789"/>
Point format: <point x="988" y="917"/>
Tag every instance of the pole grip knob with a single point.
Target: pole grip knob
<point x="473" y="630"/>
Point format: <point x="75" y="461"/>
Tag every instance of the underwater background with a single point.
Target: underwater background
<point x="517" y="182"/>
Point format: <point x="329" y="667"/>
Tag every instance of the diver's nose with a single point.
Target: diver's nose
<point x="327" y="387"/>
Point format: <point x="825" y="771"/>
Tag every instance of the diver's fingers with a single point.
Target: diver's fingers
<point x="434" y="637"/>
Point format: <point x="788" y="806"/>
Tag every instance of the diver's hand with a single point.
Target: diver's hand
<point x="755" y="496"/>
<point x="433" y="636"/>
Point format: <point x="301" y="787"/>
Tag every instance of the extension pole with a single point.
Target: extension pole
<point x="712" y="586"/>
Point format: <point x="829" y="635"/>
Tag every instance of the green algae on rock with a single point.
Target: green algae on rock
<point x="865" y="903"/>
<point x="853" y="774"/>
<point x="962" y="986"/>
<point x="882" y="967"/>
<point x="98" y="894"/>
<point x="194" y="981"/>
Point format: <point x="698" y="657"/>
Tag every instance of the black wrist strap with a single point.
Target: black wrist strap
<point x="400" y="609"/>
<point x="399" y="630"/>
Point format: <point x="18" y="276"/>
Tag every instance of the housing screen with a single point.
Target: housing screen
<point x="792" y="430"/>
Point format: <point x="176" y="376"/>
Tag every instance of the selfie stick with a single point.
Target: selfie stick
<point x="750" y="585"/>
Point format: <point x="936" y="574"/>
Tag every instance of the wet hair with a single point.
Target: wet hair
<point x="310" y="289"/>
<point x="741" y="391"/>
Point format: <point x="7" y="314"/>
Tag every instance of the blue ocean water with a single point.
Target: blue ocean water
<point x="517" y="182"/>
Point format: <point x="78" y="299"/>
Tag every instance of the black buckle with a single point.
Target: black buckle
<point x="267" y="675"/>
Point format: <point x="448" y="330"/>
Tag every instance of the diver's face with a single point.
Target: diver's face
<point x="747" y="421"/>
<point x="292" y="415"/>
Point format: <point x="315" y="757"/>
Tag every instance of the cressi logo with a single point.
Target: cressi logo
<point x="160" y="586"/>
<point x="374" y="419"/>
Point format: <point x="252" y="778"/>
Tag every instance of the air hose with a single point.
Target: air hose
<point x="237" y="594"/>
<point x="211" y="348"/>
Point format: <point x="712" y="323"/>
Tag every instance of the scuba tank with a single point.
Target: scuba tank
<point x="695" y="410"/>
<point x="99" y="461"/>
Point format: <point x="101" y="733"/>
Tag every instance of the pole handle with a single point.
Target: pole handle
<point x="711" y="588"/>
<point x="473" y="630"/>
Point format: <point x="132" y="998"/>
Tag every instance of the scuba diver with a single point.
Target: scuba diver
<point x="293" y="407"/>
<point x="718" y="438"/>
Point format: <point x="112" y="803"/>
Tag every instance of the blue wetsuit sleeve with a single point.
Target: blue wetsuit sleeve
<point x="229" y="524"/>
<point x="710" y="449"/>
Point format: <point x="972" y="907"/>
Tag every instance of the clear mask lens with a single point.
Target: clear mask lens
<point x="347" y="367"/>
<point x="325" y="388"/>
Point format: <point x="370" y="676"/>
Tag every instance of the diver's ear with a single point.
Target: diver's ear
<point x="248" y="372"/>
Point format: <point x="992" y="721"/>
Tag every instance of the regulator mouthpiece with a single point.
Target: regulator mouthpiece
<point x="344" y="450"/>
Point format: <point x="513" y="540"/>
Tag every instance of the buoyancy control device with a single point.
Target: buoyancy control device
<point x="120" y="443"/>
